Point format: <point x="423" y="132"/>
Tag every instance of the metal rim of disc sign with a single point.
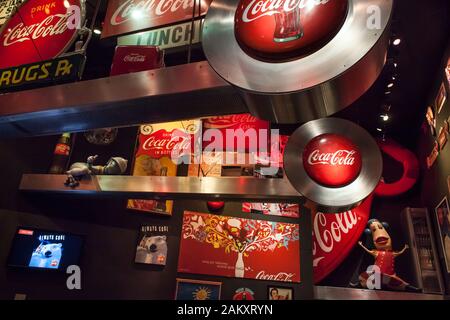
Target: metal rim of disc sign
<point x="333" y="199"/>
<point x="350" y="44"/>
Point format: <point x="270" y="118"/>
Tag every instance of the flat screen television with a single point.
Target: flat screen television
<point x="46" y="250"/>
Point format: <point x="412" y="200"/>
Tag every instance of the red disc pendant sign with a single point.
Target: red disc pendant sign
<point x="39" y="30"/>
<point x="273" y="28"/>
<point x="332" y="160"/>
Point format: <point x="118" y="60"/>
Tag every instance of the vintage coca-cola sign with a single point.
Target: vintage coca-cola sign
<point x="332" y="160"/>
<point x="129" y="59"/>
<point x="39" y="30"/>
<point x="287" y="27"/>
<point x="162" y="143"/>
<point x="126" y="16"/>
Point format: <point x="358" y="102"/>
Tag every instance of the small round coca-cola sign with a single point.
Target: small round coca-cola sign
<point x="39" y="30"/>
<point x="287" y="28"/>
<point x="332" y="160"/>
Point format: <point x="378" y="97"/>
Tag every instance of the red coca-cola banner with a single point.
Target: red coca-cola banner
<point x="39" y="30"/>
<point x="241" y="248"/>
<point x="161" y="143"/>
<point x="335" y="235"/>
<point x="127" y="16"/>
<point x="229" y="125"/>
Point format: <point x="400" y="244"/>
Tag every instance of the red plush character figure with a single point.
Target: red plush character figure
<point x="384" y="259"/>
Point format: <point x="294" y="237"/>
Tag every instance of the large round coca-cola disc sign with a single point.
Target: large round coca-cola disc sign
<point x="332" y="160"/>
<point x="272" y="28"/>
<point x="39" y="30"/>
<point x="334" y="163"/>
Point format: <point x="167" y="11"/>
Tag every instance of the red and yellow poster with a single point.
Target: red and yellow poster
<point x="241" y="248"/>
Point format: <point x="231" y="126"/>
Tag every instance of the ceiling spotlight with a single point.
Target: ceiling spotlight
<point x="397" y="41"/>
<point x="385" y="117"/>
<point x="379" y="130"/>
<point x="387" y="92"/>
<point x="97" y="31"/>
<point x="393" y="78"/>
<point x="390" y="85"/>
<point x="395" y="64"/>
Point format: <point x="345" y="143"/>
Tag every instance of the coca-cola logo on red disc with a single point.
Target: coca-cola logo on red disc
<point x="287" y="28"/>
<point x="332" y="160"/>
<point x="40" y="30"/>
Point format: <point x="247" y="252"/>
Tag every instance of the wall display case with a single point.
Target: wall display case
<point x="425" y="259"/>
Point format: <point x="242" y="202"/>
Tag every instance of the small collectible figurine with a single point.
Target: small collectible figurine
<point x="384" y="258"/>
<point x="115" y="166"/>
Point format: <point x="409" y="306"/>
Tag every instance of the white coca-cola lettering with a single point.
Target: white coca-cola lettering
<point x="173" y="143"/>
<point x="281" y="276"/>
<point x="338" y="158"/>
<point x="134" y="57"/>
<point x="327" y="234"/>
<point x="51" y="26"/>
<point x="231" y="120"/>
<point x="148" y="8"/>
<point x="260" y="8"/>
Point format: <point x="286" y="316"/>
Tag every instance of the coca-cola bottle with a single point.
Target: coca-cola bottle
<point x="288" y="25"/>
<point x="61" y="155"/>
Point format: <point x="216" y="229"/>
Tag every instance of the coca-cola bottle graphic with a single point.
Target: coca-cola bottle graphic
<point x="61" y="155"/>
<point x="288" y="25"/>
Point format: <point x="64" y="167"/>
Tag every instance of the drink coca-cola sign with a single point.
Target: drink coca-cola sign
<point x="39" y="30"/>
<point x="332" y="160"/>
<point x="162" y="143"/>
<point x="126" y="16"/>
<point x="287" y="27"/>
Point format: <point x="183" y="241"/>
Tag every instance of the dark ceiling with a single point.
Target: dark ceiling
<point x="423" y="26"/>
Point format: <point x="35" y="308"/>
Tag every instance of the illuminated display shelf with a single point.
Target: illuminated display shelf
<point x="206" y="188"/>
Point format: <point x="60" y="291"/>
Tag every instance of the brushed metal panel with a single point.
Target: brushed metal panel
<point x="335" y="293"/>
<point x="174" y="93"/>
<point x="168" y="187"/>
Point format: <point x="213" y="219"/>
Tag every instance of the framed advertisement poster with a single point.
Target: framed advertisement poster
<point x="443" y="221"/>
<point x="441" y="98"/>
<point x="240" y="248"/>
<point x="188" y="289"/>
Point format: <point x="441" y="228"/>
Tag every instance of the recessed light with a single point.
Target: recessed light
<point x="390" y="85"/>
<point x="385" y="117"/>
<point x="397" y="41"/>
<point x="97" y="31"/>
<point x="380" y="130"/>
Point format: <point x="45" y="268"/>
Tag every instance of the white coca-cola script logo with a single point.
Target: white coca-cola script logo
<point x="281" y="276"/>
<point x="260" y="8"/>
<point x="134" y="57"/>
<point x="338" y="158"/>
<point x="326" y="235"/>
<point x="173" y="143"/>
<point x="50" y="26"/>
<point x="148" y="8"/>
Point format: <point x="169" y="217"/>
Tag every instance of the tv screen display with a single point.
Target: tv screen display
<point x="41" y="249"/>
